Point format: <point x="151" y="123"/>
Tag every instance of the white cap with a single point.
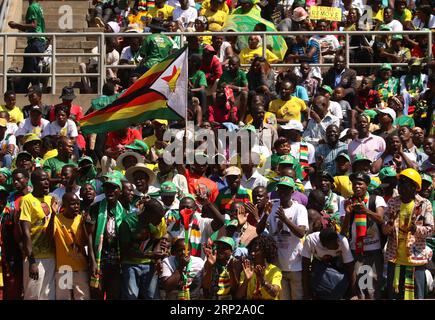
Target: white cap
<point x="388" y="111"/>
<point x="293" y="125"/>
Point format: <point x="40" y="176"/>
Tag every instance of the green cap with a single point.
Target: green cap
<point x="3" y="189"/>
<point x="397" y="37"/>
<point x="384" y="27"/>
<point x="360" y="176"/>
<point x="232" y="223"/>
<point x="138" y="145"/>
<point x="190" y="196"/>
<point x="387" y="172"/>
<point x="85" y="158"/>
<point x="426" y="177"/>
<point x="370" y="113"/>
<point x="327" y="175"/>
<point x="286" y="181"/>
<point x="287" y="159"/>
<point x="344" y="155"/>
<point x="114" y="181"/>
<point x="227" y="240"/>
<point x="327" y="89"/>
<point x="168" y="187"/>
<point x="114" y="174"/>
<point x="372" y="186"/>
<point x="386" y="66"/>
<point x="249" y="127"/>
<point x="361" y="157"/>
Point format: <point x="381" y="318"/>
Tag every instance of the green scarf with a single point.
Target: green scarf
<point x="119" y="213"/>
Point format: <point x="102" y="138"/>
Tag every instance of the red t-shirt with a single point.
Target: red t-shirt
<point x="113" y="139"/>
<point x="75" y="112"/>
<point x="194" y="181"/>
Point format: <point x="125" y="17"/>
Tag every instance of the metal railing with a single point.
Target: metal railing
<point x="101" y="74"/>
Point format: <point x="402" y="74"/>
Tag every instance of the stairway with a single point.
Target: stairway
<point x="78" y="44"/>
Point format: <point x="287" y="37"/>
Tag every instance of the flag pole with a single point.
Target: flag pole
<point x="187" y="100"/>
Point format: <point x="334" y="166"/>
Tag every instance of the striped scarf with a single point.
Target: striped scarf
<point x="409" y="281"/>
<point x="361" y="224"/>
<point x="303" y="157"/>
<point x="119" y="213"/>
<point x="194" y="231"/>
<point x="222" y="283"/>
<point x="184" y="292"/>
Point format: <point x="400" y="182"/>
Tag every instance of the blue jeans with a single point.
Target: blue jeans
<point x="139" y="282"/>
<point x="7" y="161"/>
<point x="419" y="282"/>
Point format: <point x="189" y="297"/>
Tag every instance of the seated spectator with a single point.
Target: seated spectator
<point x="105" y="11"/>
<point x="198" y="81"/>
<point x="347" y="112"/>
<point x="340" y="76"/>
<point x="287" y="107"/>
<point x="235" y="79"/>
<point x="15" y="114"/>
<point x="386" y="118"/>
<point x="211" y="65"/>
<point x="34" y="94"/>
<point x="8" y="145"/>
<point x="328" y="43"/>
<point x="385" y="83"/>
<point x="414" y="81"/>
<point x="215" y="16"/>
<point x="326" y="154"/>
<point x="333" y="106"/>
<point x="306" y="49"/>
<point x="130" y="53"/>
<point x="185" y="15"/>
<point x="397" y="52"/>
<point x="201" y="25"/>
<point x="390" y="22"/>
<point x="403" y="14"/>
<point x="307" y="80"/>
<point x="424" y="18"/>
<point x="224" y="109"/>
<point x="247" y="7"/>
<point x="255" y="48"/>
<point x="161" y="10"/>
<point x="34" y="124"/>
<point x="223" y="48"/>
<point x="62" y="126"/>
<point x="368" y="98"/>
<point x="261" y="78"/>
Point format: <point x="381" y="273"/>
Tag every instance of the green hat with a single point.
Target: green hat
<point x="85" y="158"/>
<point x="370" y="113"/>
<point x="249" y="127"/>
<point x="227" y="240"/>
<point x="372" y="186"/>
<point x="190" y="196"/>
<point x="286" y="181"/>
<point x="287" y="159"/>
<point x="387" y="172"/>
<point x="114" y="181"/>
<point x="384" y="27"/>
<point x="232" y="223"/>
<point x="344" y="155"/>
<point x="386" y="66"/>
<point x="327" y="89"/>
<point x="114" y="174"/>
<point x="360" y="157"/>
<point x="397" y="37"/>
<point x="426" y="177"/>
<point x="168" y="187"/>
<point x="138" y="145"/>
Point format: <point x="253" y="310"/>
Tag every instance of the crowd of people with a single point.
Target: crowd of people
<point x="332" y="200"/>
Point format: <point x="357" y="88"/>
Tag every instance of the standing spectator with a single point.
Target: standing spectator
<point x="408" y="222"/>
<point x="34" y="23"/>
<point x="15" y="114"/>
<point x="390" y="22"/>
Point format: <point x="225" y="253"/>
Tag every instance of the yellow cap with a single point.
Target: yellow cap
<point x="161" y="121"/>
<point x="31" y="137"/>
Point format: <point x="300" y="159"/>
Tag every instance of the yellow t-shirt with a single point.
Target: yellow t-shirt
<point x="406" y="16"/>
<point x="272" y="275"/>
<point x="37" y="211"/>
<point x="70" y="239"/>
<point x="165" y="13"/>
<point x="137" y="19"/>
<point x="222" y="7"/>
<point x="343" y="186"/>
<point x="15" y="115"/>
<point x="269" y="118"/>
<point x="247" y="55"/>
<point x="404" y="221"/>
<point x="218" y="17"/>
<point x="288" y="110"/>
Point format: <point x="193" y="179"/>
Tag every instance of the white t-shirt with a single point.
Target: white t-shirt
<point x="176" y="3"/>
<point x="420" y="24"/>
<point x="68" y="130"/>
<point x="372" y="241"/>
<point x="395" y="25"/>
<point x="388" y="160"/>
<point x="11" y="128"/>
<point x="7" y="140"/>
<point x="128" y="55"/>
<point x="169" y="267"/>
<point x="254" y="181"/>
<point x="294" y="151"/>
<point x="60" y="192"/>
<point x="27" y="127"/>
<point x="335" y="109"/>
<point x="221" y="54"/>
<point x="289" y="245"/>
<point x="185" y="16"/>
<point x="313" y="247"/>
<point x="328" y="42"/>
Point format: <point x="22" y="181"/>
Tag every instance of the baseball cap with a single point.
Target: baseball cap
<point x="327" y="89"/>
<point x="344" y="155"/>
<point x="113" y="181"/>
<point x="161" y="121"/>
<point x="227" y="240"/>
<point x="232" y="223"/>
<point x="386" y="66"/>
<point x="286" y="181"/>
<point x="168" y="187"/>
<point x="397" y="37"/>
<point x="233" y="171"/>
<point x="384" y="27"/>
<point x="417" y="62"/>
<point x="85" y="158"/>
<point x="287" y="159"/>
<point x="361" y="157"/>
<point x="3" y="122"/>
<point x="371" y="114"/>
<point x="387" y="172"/>
<point x="31" y="137"/>
<point x="426" y="177"/>
<point x="293" y="125"/>
<point x="388" y="111"/>
<point x="138" y="145"/>
<point x="326" y="174"/>
<point x="24" y="153"/>
<point x="36" y="108"/>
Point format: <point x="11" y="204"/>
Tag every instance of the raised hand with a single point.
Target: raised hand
<point x="242" y="216"/>
<point x="252" y="210"/>
<point x="247" y="269"/>
<point x="210" y="254"/>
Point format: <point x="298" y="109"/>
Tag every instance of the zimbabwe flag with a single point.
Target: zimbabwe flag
<point x="161" y="93"/>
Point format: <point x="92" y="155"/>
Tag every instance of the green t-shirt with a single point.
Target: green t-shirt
<point x="198" y="79"/>
<point x="239" y="80"/>
<point x="35" y="13"/>
<point x="155" y="48"/>
<point x="405" y="121"/>
<point x="53" y="166"/>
